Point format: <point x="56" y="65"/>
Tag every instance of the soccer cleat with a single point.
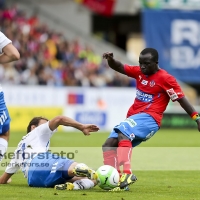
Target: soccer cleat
<point x="93" y="175"/>
<point x="65" y="186"/>
<point x="85" y="171"/>
<point x="127" y="179"/>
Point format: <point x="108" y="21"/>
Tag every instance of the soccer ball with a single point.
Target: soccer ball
<point x="108" y="177"/>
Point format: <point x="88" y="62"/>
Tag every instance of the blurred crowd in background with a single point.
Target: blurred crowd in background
<point x="47" y="58"/>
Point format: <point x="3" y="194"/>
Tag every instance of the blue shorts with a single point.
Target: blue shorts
<point x="48" y="170"/>
<point x="137" y="128"/>
<point x="4" y="121"/>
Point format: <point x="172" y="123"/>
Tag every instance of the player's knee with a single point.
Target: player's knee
<point x="110" y="144"/>
<point x="105" y="146"/>
<point x="5" y="135"/>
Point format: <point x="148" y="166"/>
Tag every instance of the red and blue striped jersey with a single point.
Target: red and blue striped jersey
<point x="153" y="92"/>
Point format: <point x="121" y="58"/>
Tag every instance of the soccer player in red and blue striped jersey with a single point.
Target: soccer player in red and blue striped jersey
<point x="155" y="87"/>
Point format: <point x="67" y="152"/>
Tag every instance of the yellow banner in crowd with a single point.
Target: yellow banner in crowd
<point x="21" y="116"/>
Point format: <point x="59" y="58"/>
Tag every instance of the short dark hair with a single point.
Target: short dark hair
<point x="35" y="121"/>
<point x="152" y="51"/>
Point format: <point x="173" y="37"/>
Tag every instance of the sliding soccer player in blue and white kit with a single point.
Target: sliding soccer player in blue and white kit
<point x="44" y="169"/>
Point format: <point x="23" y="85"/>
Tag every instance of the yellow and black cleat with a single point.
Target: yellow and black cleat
<point x="127" y="179"/>
<point x="65" y="186"/>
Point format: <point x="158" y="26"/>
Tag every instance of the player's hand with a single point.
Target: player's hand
<point x="87" y="128"/>
<point x="108" y="55"/>
<point x="198" y="124"/>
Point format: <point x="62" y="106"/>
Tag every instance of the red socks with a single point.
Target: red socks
<point x="120" y="157"/>
<point x="110" y="158"/>
<point x="124" y="152"/>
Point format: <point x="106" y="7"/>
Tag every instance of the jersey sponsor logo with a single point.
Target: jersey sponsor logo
<point x="172" y="94"/>
<point x="152" y="83"/>
<point x="140" y="77"/>
<point x="144" y="97"/>
<point x="144" y="82"/>
<point x="131" y="122"/>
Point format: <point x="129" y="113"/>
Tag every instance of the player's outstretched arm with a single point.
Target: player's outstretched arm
<point x="114" y="64"/>
<point x="190" y="110"/>
<point x="10" y="53"/>
<point x="66" y="121"/>
<point x="5" y="178"/>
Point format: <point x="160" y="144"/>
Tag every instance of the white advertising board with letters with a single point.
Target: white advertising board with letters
<point x="105" y="107"/>
<point x="34" y="96"/>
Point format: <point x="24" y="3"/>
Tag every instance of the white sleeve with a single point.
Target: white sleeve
<point x="12" y="167"/>
<point x="3" y="41"/>
<point x="44" y="129"/>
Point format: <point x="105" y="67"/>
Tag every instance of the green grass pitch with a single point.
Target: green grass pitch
<point x="151" y="184"/>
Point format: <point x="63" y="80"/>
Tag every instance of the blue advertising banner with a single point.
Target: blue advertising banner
<point x="91" y="117"/>
<point x="176" y="36"/>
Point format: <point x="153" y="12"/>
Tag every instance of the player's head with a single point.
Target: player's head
<point x="36" y="121"/>
<point x="148" y="61"/>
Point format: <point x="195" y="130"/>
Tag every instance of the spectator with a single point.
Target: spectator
<point x="47" y="58"/>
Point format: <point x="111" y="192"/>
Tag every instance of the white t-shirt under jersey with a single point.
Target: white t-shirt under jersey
<point x="3" y="41"/>
<point x="36" y="141"/>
